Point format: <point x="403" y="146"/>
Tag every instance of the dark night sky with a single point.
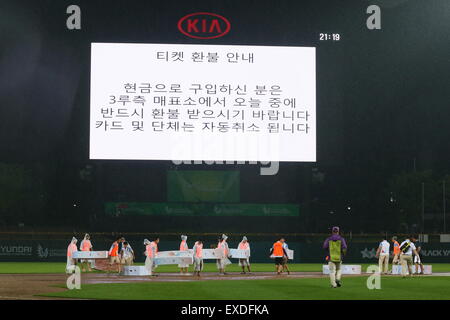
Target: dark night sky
<point x="382" y="96"/>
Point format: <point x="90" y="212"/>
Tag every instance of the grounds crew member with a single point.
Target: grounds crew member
<point x="417" y="259"/>
<point x="285" y="258"/>
<point x="396" y="251"/>
<point x="225" y="251"/>
<point x="126" y="254"/>
<point x="336" y="248"/>
<point x="86" y="245"/>
<point x="183" y="247"/>
<point x="148" y="256"/>
<point x="244" y="245"/>
<point x="198" y="257"/>
<point x="407" y="249"/>
<point x="151" y="249"/>
<point x="120" y="241"/>
<point x="114" y="254"/>
<point x="383" y="256"/>
<point x="70" y="250"/>
<point x="278" y="252"/>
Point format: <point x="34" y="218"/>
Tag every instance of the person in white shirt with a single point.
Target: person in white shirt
<point x="285" y="258"/>
<point x="407" y="249"/>
<point x="383" y="256"/>
<point x="126" y="254"/>
<point x="417" y="260"/>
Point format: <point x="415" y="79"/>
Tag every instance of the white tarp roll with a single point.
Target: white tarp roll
<point x="173" y="257"/>
<point x="239" y="253"/>
<point x="397" y="269"/>
<point x="345" y="269"/>
<point x="180" y="257"/>
<point x="290" y="254"/>
<point x="174" y="253"/>
<point x="172" y="260"/>
<point x="90" y="255"/>
<point x="135" y="271"/>
<point x="212" y="254"/>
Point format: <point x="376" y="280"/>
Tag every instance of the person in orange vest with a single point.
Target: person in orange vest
<point x="244" y="245"/>
<point x="86" y="245"/>
<point x="198" y="257"/>
<point x="71" y="263"/>
<point x="183" y="247"/>
<point x="396" y="251"/>
<point x="225" y="251"/>
<point x="278" y="252"/>
<point x="114" y="254"/>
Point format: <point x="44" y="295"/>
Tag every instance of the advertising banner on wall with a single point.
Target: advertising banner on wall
<point x="118" y="209"/>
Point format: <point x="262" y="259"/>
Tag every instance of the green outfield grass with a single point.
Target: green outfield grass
<point x="59" y="267"/>
<point x="354" y="288"/>
<point x="285" y="288"/>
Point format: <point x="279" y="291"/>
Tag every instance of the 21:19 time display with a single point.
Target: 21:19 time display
<point x="329" y="36"/>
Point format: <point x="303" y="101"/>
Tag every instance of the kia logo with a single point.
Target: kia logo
<point x="204" y="25"/>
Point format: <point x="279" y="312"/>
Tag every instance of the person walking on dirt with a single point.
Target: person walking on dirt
<point x="71" y="249"/>
<point x="114" y="255"/>
<point x="151" y="249"/>
<point x="244" y="245"/>
<point x="417" y="258"/>
<point x="395" y="252"/>
<point x="86" y="245"/>
<point x="149" y="254"/>
<point x="407" y="249"/>
<point x="183" y="247"/>
<point x="224" y="252"/>
<point x="285" y="257"/>
<point x="198" y="257"/>
<point x="278" y="252"/>
<point x="126" y="254"/>
<point x="383" y="256"/>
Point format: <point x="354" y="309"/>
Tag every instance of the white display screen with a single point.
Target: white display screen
<point x="202" y="102"/>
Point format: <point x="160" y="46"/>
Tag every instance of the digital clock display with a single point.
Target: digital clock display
<point x="329" y="36"/>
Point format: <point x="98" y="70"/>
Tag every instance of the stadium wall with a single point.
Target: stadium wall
<point x="312" y="252"/>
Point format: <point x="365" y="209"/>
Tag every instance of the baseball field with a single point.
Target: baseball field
<point x="44" y="280"/>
